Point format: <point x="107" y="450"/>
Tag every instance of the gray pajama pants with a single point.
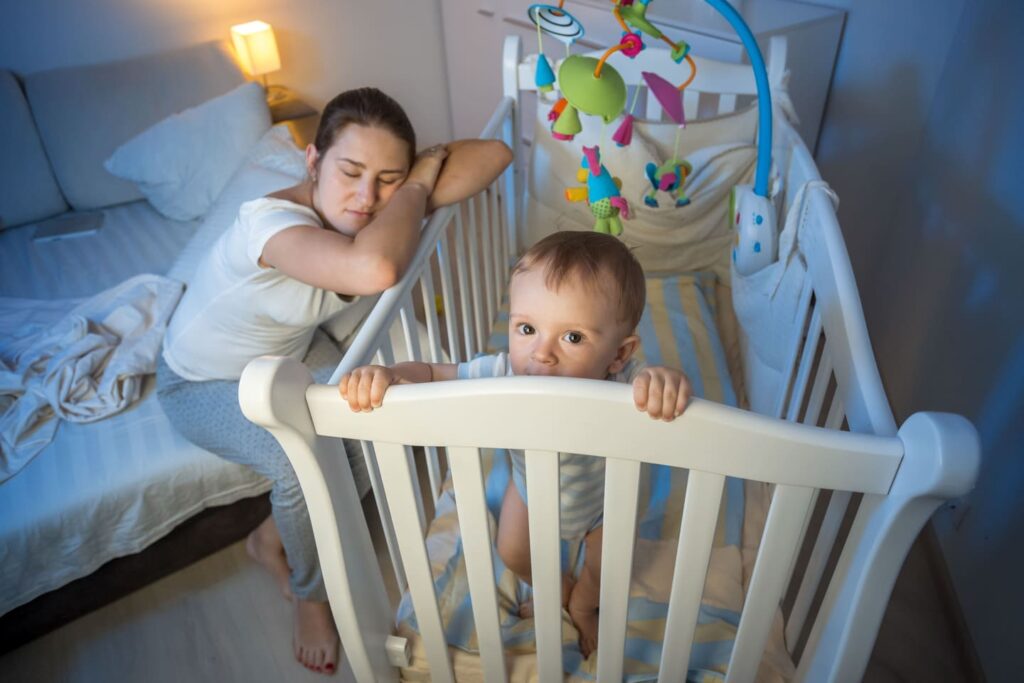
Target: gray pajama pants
<point x="208" y="415"/>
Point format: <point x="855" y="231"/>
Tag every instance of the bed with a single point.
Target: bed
<point x="788" y="485"/>
<point x="102" y="491"/>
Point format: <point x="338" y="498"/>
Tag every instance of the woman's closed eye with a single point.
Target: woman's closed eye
<point x="382" y="181"/>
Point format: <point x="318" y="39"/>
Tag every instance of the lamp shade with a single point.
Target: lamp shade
<point x="256" y="47"/>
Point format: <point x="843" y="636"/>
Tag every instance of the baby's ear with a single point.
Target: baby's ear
<point x="627" y="347"/>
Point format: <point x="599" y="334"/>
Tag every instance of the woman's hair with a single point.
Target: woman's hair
<point x="366" y="107"/>
<point x="599" y="261"/>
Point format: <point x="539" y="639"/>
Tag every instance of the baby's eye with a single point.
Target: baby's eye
<point x="525" y="328"/>
<point x="573" y="337"/>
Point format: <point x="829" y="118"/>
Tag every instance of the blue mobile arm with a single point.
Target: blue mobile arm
<point x="764" y="95"/>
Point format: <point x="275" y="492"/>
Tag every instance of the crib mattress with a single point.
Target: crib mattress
<point x="110" y="488"/>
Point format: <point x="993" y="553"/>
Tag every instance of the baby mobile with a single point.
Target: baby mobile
<point x="592" y="86"/>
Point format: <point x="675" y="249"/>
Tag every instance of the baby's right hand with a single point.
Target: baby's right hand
<point x="427" y="167"/>
<point x="364" y="387"/>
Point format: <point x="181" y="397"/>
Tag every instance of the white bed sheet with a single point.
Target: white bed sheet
<point x="110" y="488"/>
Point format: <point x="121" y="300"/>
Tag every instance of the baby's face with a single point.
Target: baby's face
<point x="572" y="332"/>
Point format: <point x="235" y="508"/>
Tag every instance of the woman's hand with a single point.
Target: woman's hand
<point x="427" y="167"/>
<point x="662" y="392"/>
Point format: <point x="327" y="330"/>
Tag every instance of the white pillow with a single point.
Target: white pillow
<point x="272" y="163"/>
<point x="182" y="163"/>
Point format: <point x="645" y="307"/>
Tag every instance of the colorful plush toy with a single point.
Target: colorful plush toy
<point x="601" y="193"/>
<point x="669" y="177"/>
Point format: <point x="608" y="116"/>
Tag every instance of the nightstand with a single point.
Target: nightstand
<point x="288" y="108"/>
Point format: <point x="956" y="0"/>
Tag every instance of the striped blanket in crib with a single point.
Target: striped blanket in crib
<point x="677" y="329"/>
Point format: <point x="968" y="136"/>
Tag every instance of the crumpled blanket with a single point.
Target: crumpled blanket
<point x="77" y="360"/>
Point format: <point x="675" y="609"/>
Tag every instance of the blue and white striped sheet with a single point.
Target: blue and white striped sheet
<point x="678" y="329"/>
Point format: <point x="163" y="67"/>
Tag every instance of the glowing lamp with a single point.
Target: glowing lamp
<point x="256" y="48"/>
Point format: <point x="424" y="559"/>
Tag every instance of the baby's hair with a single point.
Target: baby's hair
<point x="365" y="107"/>
<point x="601" y="262"/>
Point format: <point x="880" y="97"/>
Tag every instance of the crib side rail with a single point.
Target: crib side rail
<point x="571" y="415"/>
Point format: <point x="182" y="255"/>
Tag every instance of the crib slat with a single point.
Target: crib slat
<point x="434" y="340"/>
<point x="803" y="372"/>
<point x="410" y="329"/>
<point x="399" y="487"/>
<point x="778" y="545"/>
<point x="811" y="415"/>
<point x="621" y="491"/>
<point x="696" y="536"/>
<point x="818" y="389"/>
<point x="467" y="475"/>
<point x="545" y="560"/>
<point x="448" y="297"/>
<point x="508" y="186"/>
<point x="430" y="313"/>
<point x="653" y="107"/>
<point x="501" y="253"/>
<point x="380" y="499"/>
<point x="486" y="257"/>
<point x="474" y="276"/>
<point x="823" y="543"/>
<point x="469" y="335"/>
<point x="386" y="356"/>
<point x="496" y="232"/>
<point x="803" y="310"/>
<point x="726" y="103"/>
<point x="691" y="104"/>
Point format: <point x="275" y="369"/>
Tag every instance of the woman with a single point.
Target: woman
<point x="291" y="261"/>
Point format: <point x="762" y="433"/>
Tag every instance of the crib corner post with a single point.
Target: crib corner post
<point x="940" y="461"/>
<point x="272" y="394"/>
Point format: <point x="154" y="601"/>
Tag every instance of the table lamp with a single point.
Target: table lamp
<point x="256" y="48"/>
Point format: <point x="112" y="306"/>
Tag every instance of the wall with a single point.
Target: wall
<point x="326" y="45"/>
<point x="936" y="238"/>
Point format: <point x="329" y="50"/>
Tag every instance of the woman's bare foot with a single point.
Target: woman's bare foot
<point x="264" y="545"/>
<point x="315" y="637"/>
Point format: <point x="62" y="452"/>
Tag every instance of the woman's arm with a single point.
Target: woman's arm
<point x="471" y="166"/>
<point x="366" y="264"/>
<point x="377" y="256"/>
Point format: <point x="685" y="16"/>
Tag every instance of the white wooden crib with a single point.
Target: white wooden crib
<point x="832" y="436"/>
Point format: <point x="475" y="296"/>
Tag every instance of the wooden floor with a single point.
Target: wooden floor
<point x="223" y="619"/>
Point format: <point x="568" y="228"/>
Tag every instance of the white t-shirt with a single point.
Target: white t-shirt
<point x="234" y="310"/>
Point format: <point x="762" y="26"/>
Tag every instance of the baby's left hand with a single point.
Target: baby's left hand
<point x="662" y="392"/>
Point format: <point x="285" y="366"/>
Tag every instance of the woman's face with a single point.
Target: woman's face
<point x="357" y="175"/>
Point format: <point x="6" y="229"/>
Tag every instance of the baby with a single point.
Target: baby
<point x="575" y="301"/>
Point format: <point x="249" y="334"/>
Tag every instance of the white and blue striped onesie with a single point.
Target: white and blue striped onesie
<point x="580" y="477"/>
